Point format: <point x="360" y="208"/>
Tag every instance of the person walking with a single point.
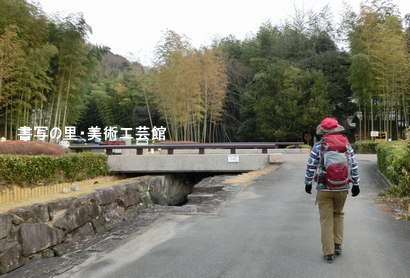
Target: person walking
<point x="333" y="166"/>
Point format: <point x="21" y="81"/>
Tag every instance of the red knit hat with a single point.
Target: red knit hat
<point x="329" y="125"/>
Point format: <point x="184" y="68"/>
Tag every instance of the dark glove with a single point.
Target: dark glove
<point x="308" y="188"/>
<point x="355" y="190"/>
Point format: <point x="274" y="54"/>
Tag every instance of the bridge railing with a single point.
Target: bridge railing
<point x="264" y="146"/>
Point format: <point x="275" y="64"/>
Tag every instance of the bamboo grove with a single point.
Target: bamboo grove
<point x="380" y="70"/>
<point x="275" y="85"/>
<point x="190" y="89"/>
<point x="44" y="65"/>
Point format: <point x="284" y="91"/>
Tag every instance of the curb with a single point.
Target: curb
<point x="386" y="181"/>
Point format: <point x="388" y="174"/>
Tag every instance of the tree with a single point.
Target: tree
<point x="11" y="68"/>
<point x="362" y="82"/>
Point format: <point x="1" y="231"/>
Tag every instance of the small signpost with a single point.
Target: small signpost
<point x="233" y="158"/>
<point x="374" y="133"/>
<point x="379" y="135"/>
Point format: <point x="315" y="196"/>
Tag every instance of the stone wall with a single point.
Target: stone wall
<point x="40" y="230"/>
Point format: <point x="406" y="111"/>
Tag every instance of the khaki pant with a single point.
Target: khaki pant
<point x="331" y="218"/>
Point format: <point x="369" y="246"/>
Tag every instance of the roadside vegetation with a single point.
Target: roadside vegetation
<point x="394" y="162"/>
<point x="30" y="148"/>
<point x="365" y="146"/>
<point x="30" y="164"/>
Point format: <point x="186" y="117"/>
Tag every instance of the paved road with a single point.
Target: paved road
<point x="270" y="229"/>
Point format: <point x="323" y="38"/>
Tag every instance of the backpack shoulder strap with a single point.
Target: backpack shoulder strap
<point x="322" y="151"/>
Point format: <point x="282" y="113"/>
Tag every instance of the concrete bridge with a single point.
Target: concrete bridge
<point x="182" y="157"/>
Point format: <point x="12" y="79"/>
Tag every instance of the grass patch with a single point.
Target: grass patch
<point x="302" y="146"/>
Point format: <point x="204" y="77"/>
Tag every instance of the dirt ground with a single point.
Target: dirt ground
<point x="249" y="176"/>
<point x="398" y="207"/>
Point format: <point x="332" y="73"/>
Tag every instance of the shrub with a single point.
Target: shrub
<point x="30" y="148"/>
<point x="393" y="159"/>
<point x="365" y="146"/>
<point x="31" y="170"/>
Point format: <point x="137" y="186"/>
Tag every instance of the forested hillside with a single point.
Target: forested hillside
<point x="274" y="86"/>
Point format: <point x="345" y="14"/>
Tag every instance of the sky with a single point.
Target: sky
<point x="133" y="28"/>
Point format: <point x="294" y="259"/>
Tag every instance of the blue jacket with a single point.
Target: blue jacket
<point x="313" y="162"/>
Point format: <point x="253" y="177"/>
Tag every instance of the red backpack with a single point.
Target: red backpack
<point x="335" y="160"/>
